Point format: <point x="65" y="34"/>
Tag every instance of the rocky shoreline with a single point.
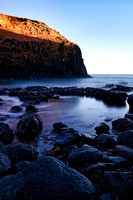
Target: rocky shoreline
<point x="96" y="166"/>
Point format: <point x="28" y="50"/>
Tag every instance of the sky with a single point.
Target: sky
<point x="103" y="29"/>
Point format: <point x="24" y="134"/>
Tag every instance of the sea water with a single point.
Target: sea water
<point x="80" y="113"/>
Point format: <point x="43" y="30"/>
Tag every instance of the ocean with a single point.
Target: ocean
<point x="80" y="113"/>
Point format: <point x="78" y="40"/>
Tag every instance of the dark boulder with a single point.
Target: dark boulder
<point x="89" y="138"/>
<point x="83" y="155"/>
<point x="31" y="108"/>
<point x="118" y="160"/>
<point x="120" y="183"/>
<point x="14" y="91"/>
<point x="108" y="196"/>
<point x="102" y="128"/>
<point x="126" y="138"/>
<point x="66" y="139"/>
<point x="5" y="164"/>
<point x="115" y="98"/>
<point x="130" y="102"/>
<point x="106" y="141"/>
<point x="42" y="96"/>
<point x="88" y="170"/>
<point x="125" y="151"/>
<point x="122" y="124"/>
<point x="19" y="152"/>
<point x="122" y="88"/>
<point x="28" y="97"/>
<point x="4" y="117"/>
<point x="16" y="109"/>
<point x="129" y="116"/>
<point x="21" y="165"/>
<point x="59" y="126"/>
<point x="47" y="178"/>
<point x="29" y="126"/>
<point x="6" y="134"/>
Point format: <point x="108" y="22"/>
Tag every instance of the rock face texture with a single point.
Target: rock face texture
<point x="30" y="49"/>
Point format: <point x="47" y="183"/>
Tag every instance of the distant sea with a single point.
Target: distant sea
<point x="97" y="80"/>
<point x="80" y="113"/>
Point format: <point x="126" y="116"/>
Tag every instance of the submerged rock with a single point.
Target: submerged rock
<point x="47" y="178"/>
<point x="29" y="126"/>
<point x="6" y="134"/>
<point x="59" y="126"/>
<point x="16" y="109"/>
<point x="31" y="108"/>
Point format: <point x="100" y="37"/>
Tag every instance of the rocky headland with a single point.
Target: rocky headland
<point x="96" y="165"/>
<point x="31" y="49"/>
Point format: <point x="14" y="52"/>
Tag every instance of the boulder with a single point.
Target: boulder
<point x="106" y="141"/>
<point x="59" y="126"/>
<point x="14" y="91"/>
<point x="87" y="171"/>
<point x="122" y="88"/>
<point x="102" y="128"/>
<point x="16" y="109"/>
<point x="31" y="108"/>
<point x="126" y="138"/>
<point x="66" y="139"/>
<point x="21" y="165"/>
<point x="129" y="116"/>
<point x="122" y="124"/>
<point x="19" y="152"/>
<point x="89" y="138"/>
<point x="83" y="155"/>
<point x="125" y="151"/>
<point x="6" y="134"/>
<point x="120" y="183"/>
<point x="28" y="97"/>
<point x="130" y="102"/>
<point x="115" y="98"/>
<point x="29" y="126"/>
<point x="118" y="160"/>
<point x="108" y="196"/>
<point x="47" y="178"/>
<point x="5" y="164"/>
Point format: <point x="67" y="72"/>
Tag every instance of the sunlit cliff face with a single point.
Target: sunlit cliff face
<point x="30" y="49"/>
<point x="31" y="28"/>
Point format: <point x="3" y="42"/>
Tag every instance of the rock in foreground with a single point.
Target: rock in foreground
<point x="47" y="178"/>
<point x="29" y="126"/>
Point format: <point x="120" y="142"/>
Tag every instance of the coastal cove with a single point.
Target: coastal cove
<point x="80" y="112"/>
<point x="83" y="134"/>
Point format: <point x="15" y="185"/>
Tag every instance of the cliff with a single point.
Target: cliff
<point x="31" y="49"/>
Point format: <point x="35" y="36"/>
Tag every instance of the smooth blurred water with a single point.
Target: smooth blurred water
<point x="98" y="80"/>
<point x="80" y="113"/>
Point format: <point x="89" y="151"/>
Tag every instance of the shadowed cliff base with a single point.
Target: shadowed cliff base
<point x="24" y="56"/>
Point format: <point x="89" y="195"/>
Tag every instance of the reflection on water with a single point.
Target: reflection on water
<point x="80" y="113"/>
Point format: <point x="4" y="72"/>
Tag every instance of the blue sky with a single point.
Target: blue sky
<point x="102" y="28"/>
